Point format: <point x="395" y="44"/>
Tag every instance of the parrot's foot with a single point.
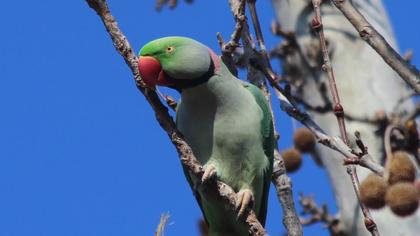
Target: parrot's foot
<point x="244" y="200"/>
<point x="209" y="174"/>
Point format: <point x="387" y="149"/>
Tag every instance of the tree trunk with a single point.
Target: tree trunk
<point x="366" y="85"/>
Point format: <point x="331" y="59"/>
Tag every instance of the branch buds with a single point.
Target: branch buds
<point x="316" y="24"/>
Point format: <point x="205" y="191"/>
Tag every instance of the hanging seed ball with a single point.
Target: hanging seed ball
<point x="402" y="198"/>
<point x="372" y="191"/>
<point x="292" y="159"/>
<point x="401" y="168"/>
<point x="304" y="140"/>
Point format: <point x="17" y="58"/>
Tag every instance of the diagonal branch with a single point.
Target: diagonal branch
<point x="221" y="191"/>
<point x="409" y="73"/>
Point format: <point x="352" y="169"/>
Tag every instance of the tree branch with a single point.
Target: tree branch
<point x="367" y="32"/>
<point x="162" y="224"/>
<point x="339" y="113"/>
<point x="186" y="155"/>
<point x="229" y="47"/>
<point x="284" y="191"/>
<point x="319" y="214"/>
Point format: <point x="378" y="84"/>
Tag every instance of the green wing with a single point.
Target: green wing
<point x="267" y="132"/>
<point x="187" y="174"/>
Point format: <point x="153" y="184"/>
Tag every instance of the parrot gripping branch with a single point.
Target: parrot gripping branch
<point x="219" y="189"/>
<point x="280" y="180"/>
<point x="339" y="113"/>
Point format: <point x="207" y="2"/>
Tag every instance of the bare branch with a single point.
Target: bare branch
<point x="339" y="113"/>
<point x="162" y="224"/>
<point x="221" y="191"/>
<point x="229" y="47"/>
<point x="283" y="186"/>
<point x="367" y="32"/>
<point x="319" y="214"/>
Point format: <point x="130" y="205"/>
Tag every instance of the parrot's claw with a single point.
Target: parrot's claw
<point x="209" y="174"/>
<point x="244" y="200"/>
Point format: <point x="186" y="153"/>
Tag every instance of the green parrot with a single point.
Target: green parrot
<point x="226" y="121"/>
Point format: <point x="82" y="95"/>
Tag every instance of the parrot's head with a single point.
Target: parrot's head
<point x="176" y="62"/>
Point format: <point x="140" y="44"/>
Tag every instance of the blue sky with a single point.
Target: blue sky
<point x="80" y="150"/>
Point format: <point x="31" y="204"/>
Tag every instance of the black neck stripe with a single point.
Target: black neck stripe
<point x="189" y="83"/>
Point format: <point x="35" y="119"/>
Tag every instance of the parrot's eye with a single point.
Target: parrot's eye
<point x="170" y="49"/>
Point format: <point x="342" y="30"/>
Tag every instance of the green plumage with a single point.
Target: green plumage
<point x="228" y="124"/>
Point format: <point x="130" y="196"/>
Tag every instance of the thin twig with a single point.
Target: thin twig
<point x="327" y="107"/>
<point x="387" y="144"/>
<point x="229" y="47"/>
<point x="223" y="192"/>
<point x="319" y="214"/>
<point x="291" y="38"/>
<point x="162" y="224"/>
<point x="339" y="113"/>
<point x="409" y="73"/>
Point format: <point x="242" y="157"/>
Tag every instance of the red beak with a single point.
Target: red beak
<point x="151" y="72"/>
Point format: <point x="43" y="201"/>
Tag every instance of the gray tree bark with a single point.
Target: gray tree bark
<point x="366" y="85"/>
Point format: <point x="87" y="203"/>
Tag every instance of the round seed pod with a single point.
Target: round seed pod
<point x="372" y="191"/>
<point x="292" y="159"/>
<point x="304" y="140"/>
<point x="402" y="198"/>
<point x="401" y="168"/>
